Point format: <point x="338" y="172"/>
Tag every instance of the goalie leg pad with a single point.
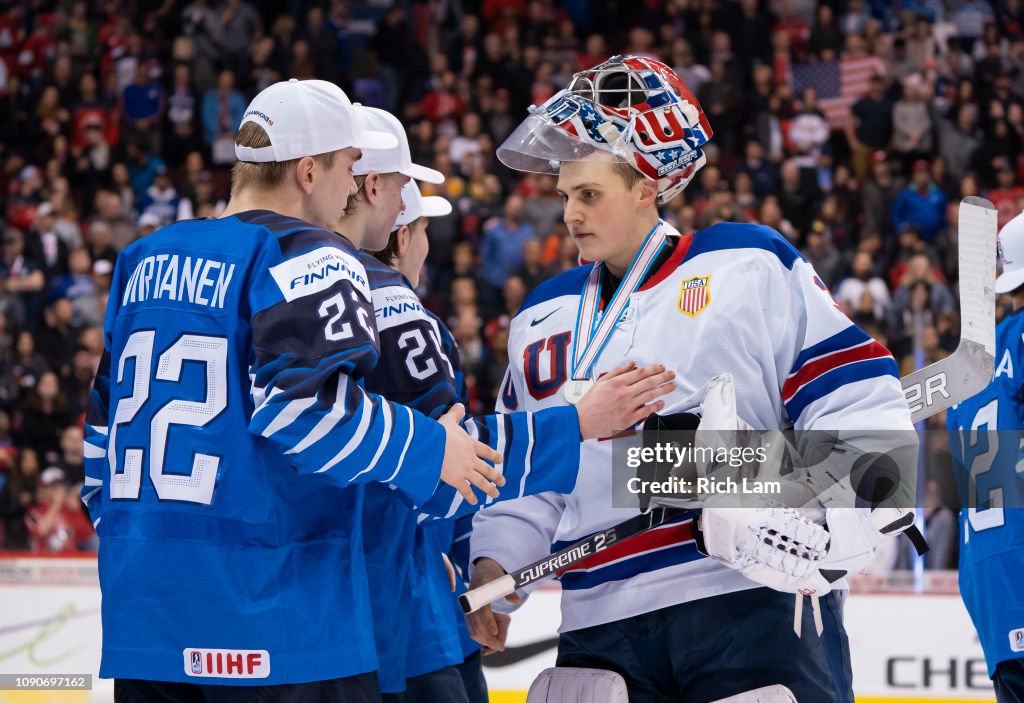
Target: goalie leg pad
<point x="766" y="694"/>
<point x="563" y="683"/>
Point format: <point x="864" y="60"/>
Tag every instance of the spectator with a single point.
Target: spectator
<point x="182" y="130"/>
<point x="144" y="101"/>
<point x="869" y="126"/>
<point x="56" y="521"/>
<point x="912" y="123"/>
<point x="932" y="295"/>
<point x="808" y="132"/>
<point x="78" y="281"/>
<point x="542" y="208"/>
<point x="222" y="113"/>
<point x="798" y="195"/>
<point x="502" y="247"/>
<point x="116" y="226"/>
<point x="878" y="195"/>
<point x="72" y="453"/>
<point x="1007" y="195"/>
<point x="161" y="199"/>
<point x="851" y="290"/>
<point x="921" y="203"/>
<point x="323" y="45"/>
<point x="958" y="140"/>
<point x="824" y="257"/>
<point x="47" y="247"/>
<point x="17" y="496"/>
<point x="143" y="166"/>
<point x="21" y="280"/>
<point x="531" y="272"/>
<point x="28" y="366"/>
<point x="57" y="334"/>
<point x="239" y="22"/>
<point x="43" y="416"/>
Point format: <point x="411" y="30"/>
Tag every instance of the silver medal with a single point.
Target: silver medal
<point x="575" y="389"/>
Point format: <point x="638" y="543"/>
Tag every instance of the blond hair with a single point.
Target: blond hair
<point x="269" y="174"/>
<point x="626" y="171"/>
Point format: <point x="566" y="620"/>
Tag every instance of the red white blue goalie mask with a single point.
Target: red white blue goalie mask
<point x="633" y="107"/>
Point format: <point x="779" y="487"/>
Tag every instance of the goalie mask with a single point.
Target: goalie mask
<point x="633" y="107"/>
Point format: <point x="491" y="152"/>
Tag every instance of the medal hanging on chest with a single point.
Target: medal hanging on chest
<point x="593" y="326"/>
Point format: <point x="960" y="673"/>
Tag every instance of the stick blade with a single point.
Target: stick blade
<point x="970" y="368"/>
<point x="977" y="234"/>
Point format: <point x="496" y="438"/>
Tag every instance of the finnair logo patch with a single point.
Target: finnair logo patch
<point x="317" y="271"/>
<point x="396" y="305"/>
<point x="1017" y="640"/>
<point x="227" y="663"/>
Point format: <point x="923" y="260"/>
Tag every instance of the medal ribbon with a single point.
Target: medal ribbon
<point x="591" y="324"/>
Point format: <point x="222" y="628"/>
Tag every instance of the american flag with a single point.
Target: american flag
<point x="839" y="84"/>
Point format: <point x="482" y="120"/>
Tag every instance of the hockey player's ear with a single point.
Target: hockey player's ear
<point x="370" y="187"/>
<point x="647" y="193"/>
<point x="304" y="173"/>
<point x="403" y="237"/>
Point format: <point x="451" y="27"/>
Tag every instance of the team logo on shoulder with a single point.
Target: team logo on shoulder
<point x="695" y="295"/>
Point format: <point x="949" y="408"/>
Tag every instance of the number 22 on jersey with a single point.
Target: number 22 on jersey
<point x="195" y="486"/>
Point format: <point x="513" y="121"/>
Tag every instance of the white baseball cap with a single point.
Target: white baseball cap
<point x="307" y="118"/>
<point x="394" y="159"/>
<point x="417" y="206"/>
<point x="1011" y="255"/>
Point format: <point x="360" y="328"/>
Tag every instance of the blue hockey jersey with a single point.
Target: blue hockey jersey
<point x="985" y="441"/>
<point x="419" y="366"/>
<point x="227" y="443"/>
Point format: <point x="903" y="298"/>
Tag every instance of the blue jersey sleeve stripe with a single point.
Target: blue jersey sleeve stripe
<point x="836" y="379"/>
<point x="387" y="419"/>
<point x="329" y="421"/>
<point x="366" y="407"/>
<point x="849" y="337"/>
<point x="289" y="414"/>
<point x="400" y="464"/>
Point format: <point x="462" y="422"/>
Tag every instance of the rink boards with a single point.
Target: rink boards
<point x="905" y="647"/>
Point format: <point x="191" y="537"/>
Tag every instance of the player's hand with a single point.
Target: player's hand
<point x="623" y="397"/>
<point x="485" y="626"/>
<point x="464" y="459"/>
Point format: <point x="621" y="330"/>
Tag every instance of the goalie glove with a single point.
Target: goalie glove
<point x="773" y="545"/>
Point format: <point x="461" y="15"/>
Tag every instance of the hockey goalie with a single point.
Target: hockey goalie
<point x="693" y="612"/>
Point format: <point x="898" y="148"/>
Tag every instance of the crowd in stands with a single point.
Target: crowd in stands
<point x="853" y="127"/>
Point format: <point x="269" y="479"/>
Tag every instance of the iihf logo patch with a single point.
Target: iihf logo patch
<point x="1017" y="640"/>
<point x="695" y="295"/>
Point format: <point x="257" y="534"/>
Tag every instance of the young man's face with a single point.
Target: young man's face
<point x="600" y="210"/>
<point x="331" y="195"/>
<point x="387" y="207"/>
<point x="418" y="249"/>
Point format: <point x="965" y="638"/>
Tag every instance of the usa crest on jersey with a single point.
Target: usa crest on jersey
<point x="695" y="295"/>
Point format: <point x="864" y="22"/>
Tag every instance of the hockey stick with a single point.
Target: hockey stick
<point x="928" y="391"/>
<point x="969" y="368"/>
<point x="553" y="563"/>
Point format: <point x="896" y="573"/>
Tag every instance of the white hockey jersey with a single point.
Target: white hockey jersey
<point x="732" y="298"/>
